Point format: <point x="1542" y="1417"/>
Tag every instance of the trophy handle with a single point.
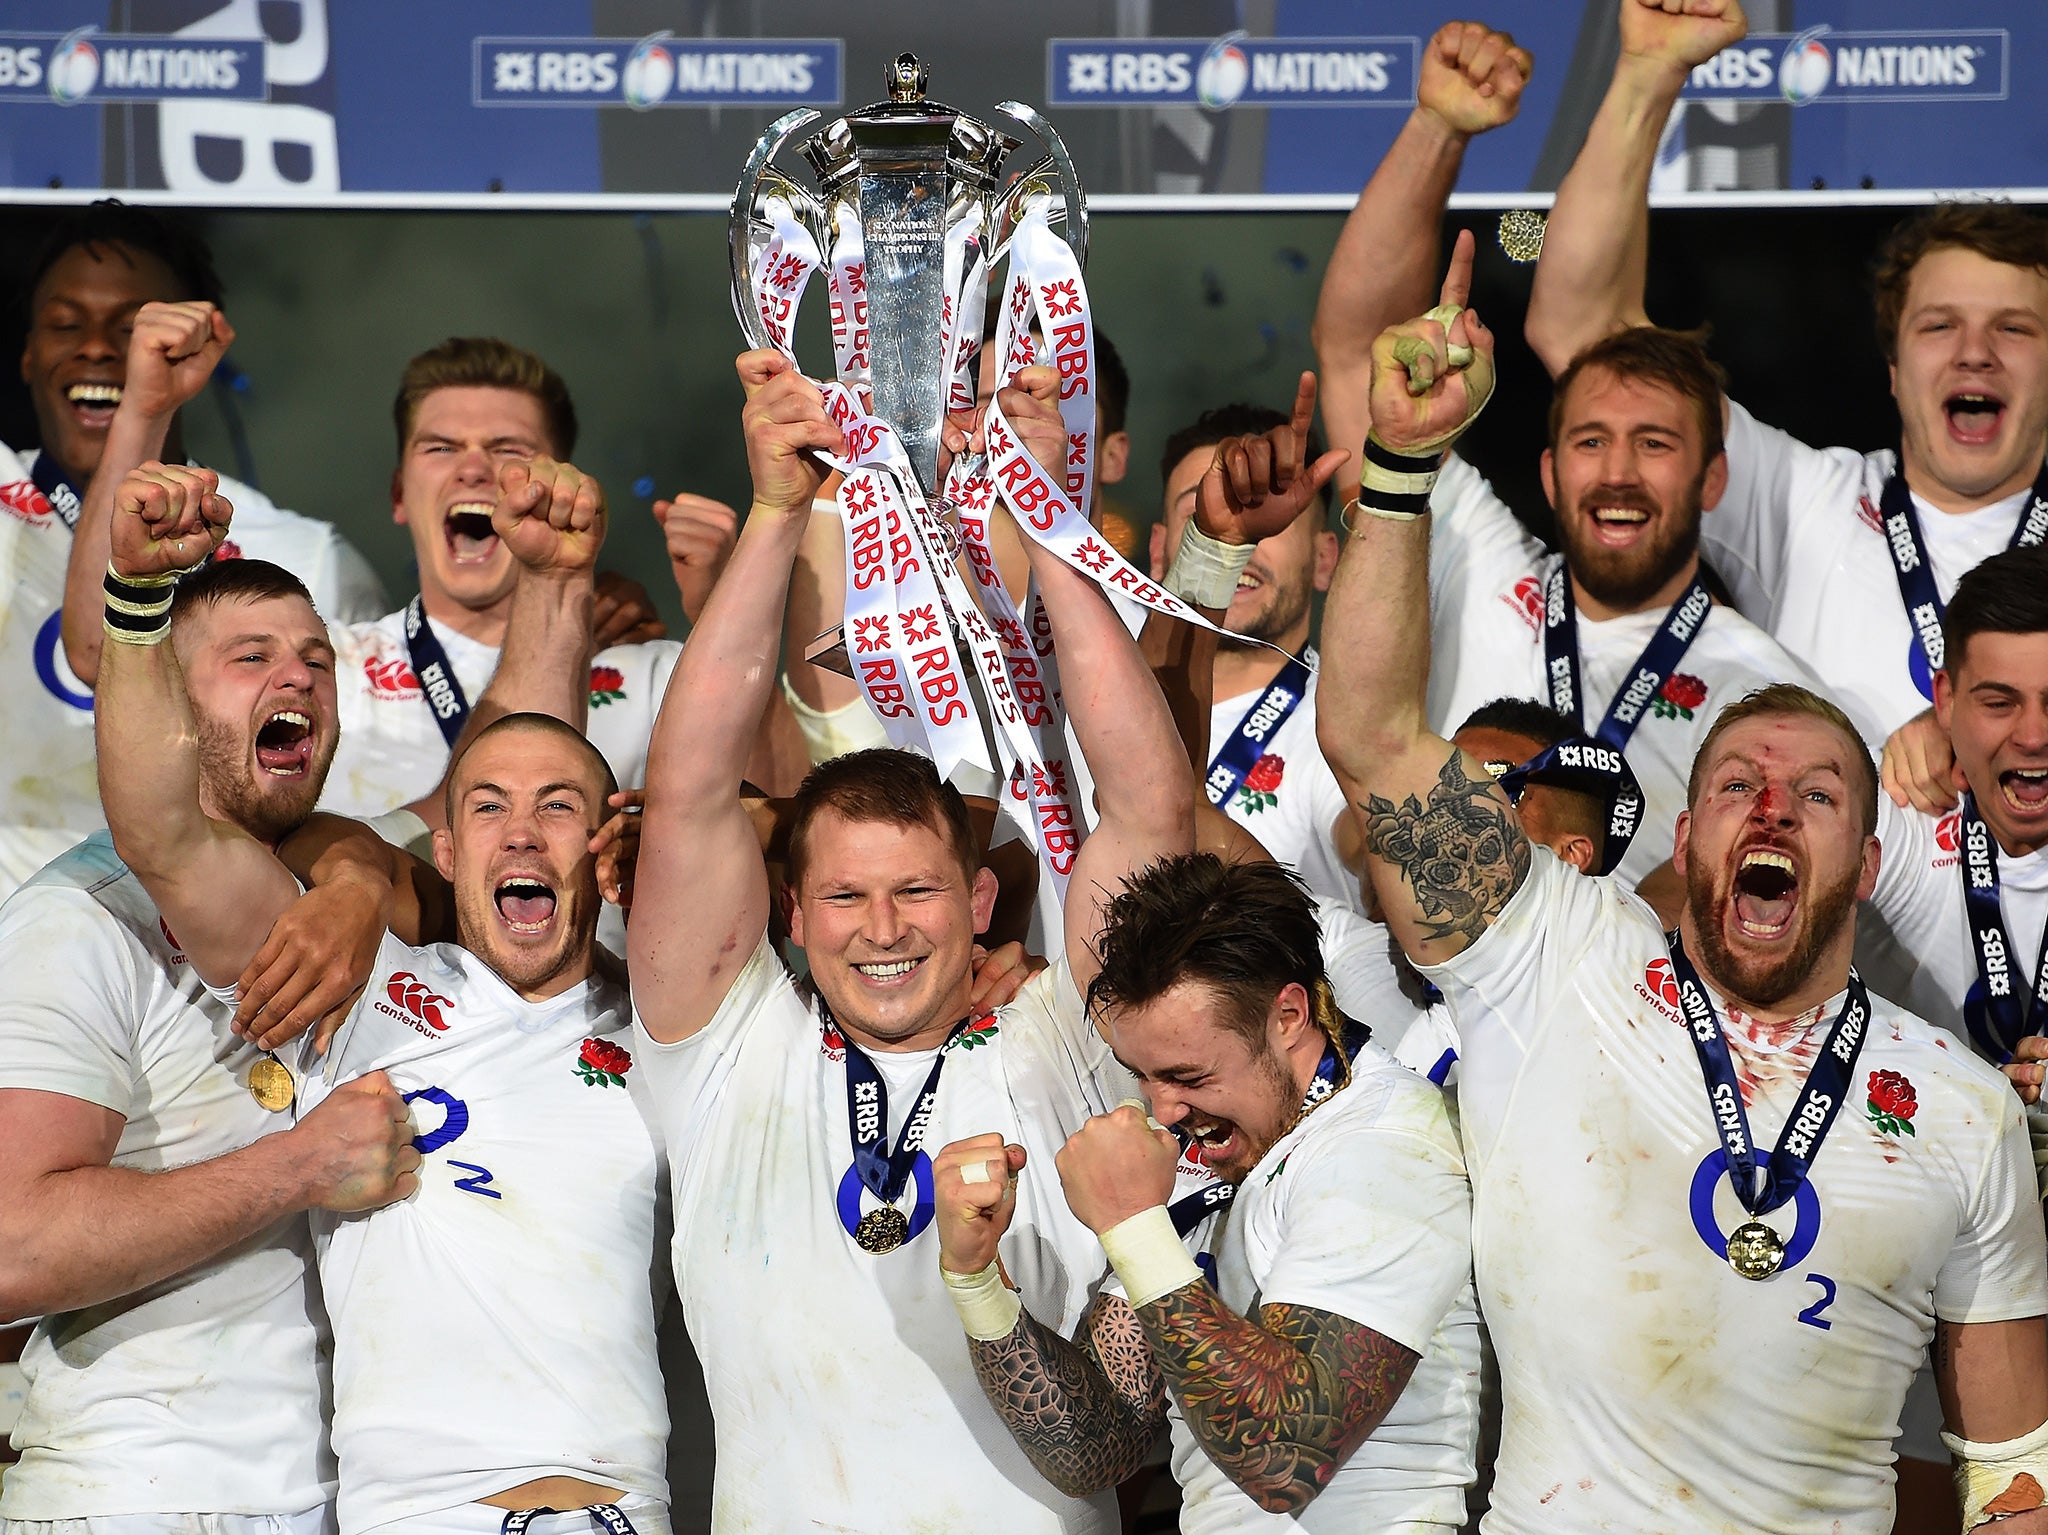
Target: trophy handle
<point x="757" y="168"/>
<point x="1076" y="230"/>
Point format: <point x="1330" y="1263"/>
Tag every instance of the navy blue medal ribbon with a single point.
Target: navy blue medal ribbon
<point x="1907" y="547"/>
<point x="437" y="681"/>
<point x="1261" y="723"/>
<point x="1653" y="668"/>
<point x="1820" y="1099"/>
<point x="58" y="488"/>
<point x="1582" y="762"/>
<point x="605" y="1519"/>
<point x="885" y="1173"/>
<point x="2008" y="1015"/>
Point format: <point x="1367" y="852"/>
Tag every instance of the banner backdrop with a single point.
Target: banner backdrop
<point x="1201" y="103"/>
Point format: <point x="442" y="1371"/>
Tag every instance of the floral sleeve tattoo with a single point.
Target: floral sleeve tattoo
<point x="1086" y="1415"/>
<point x="1278" y="1404"/>
<point x="1463" y="852"/>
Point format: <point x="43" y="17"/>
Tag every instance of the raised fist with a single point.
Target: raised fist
<point x="172" y="352"/>
<point x="551" y="515"/>
<point x="356" y="1147"/>
<point x="1472" y="77"/>
<point x="1680" y="33"/>
<point x="701" y="534"/>
<point x="1421" y="399"/>
<point x="1257" y="484"/>
<point x="786" y="429"/>
<point x="975" y="1190"/>
<point x="167" y="517"/>
<point x="1117" y="1166"/>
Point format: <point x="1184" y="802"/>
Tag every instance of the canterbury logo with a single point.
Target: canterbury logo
<point x="405" y="989"/>
<point x="391" y="678"/>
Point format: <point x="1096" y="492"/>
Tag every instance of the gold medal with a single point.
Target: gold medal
<point x="1754" y="1250"/>
<point x="883" y="1230"/>
<point x="270" y="1084"/>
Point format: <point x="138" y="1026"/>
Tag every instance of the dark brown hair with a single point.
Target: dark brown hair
<point x="219" y="581"/>
<point x="485" y="362"/>
<point x="2006" y="594"/>
<point x="896" y="788"/>
<point x="1996" y="231"/>
<point x="1243" y="930"/>
<point x="1788" y="698"/>
<point x="1676" y="359"/>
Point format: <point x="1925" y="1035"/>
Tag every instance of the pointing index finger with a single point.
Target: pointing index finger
<point x="1304" y="406"/>
<point x="1458" y="278"/>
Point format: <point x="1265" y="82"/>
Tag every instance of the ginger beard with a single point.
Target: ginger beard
<point x="1658" y="540"/>
<point x="266" y="779"/>
<point x="1763" y="887"/>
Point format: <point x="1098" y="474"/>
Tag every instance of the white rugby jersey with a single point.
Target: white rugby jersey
<point x="49" y="791"/>
<point x="1373" y="982"/>
<point x="1289" y="799"/>
<point x="498" y="1326"/>
<point x="392" y="750"/>
<point x="1646" y="1384"/>
<point x="1486" y="585"/>
<point x="205" y="1392"/>
<point x="1362" y="1209"/>
<point x="840" y="1380"/>
<point x="1913" y="934"/>
<point x="1799" y="538"/>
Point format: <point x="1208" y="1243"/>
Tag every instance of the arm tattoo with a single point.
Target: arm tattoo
<point x="1464" y="853"/>
<point x="1086" y="1415"/>
<point x="1278" y="1404"/>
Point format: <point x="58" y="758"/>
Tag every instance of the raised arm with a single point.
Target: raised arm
<point x="1146" y="802"/>
<point x="172" y="353"/>
<point x="1589" y="280"/>
<point x="1444" y="847"/>
<point x="1386" y="258"/>
<point x="217" y="886"/>
<point x="700" y="888"/>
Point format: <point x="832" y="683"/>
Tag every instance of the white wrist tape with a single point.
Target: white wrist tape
<point x="988" y="1308"/>
<point x="1205" y="570"/>
<point x="1995" y="1481"/>
<point x="1148" y="1256"/>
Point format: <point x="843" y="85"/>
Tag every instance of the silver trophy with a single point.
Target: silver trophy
<point x="908" y="169"/>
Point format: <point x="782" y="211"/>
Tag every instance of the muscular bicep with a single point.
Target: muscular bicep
<point x="1992" y="1377"/>
<point x="701" y="898"/>
<point x="43" y="1133"/>
<point x="1444" y="848"/>
<point x="222" y="899"/>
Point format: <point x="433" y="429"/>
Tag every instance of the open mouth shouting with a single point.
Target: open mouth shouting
<point x="1618" y="517"/>
<point x="886" y="973"/>
<point x="93" y="403"/>
<point x="1211" y="1141"/>
<point x="2025" y="790"/>
<point x="1973" y="417"/>
<point x="526" y="904"/>
<point x="1766" y="894"/>
<point x="467" y="528"/>
<point x="284" y="744"/>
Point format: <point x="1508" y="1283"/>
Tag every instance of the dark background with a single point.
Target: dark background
<point x="634" y="311"/>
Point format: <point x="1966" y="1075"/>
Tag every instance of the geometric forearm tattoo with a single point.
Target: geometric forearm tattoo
<point x="1087" y="1416"/>
<point x="1280" y="1406"/>
<point x="1464" y="853"/>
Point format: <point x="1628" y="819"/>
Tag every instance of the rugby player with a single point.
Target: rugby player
<point x="532" y="1384"/>
<point x="1331" y="1372"/>
<point x="1685" y="1345"/>
<point x="796" y="1125"/>
<point x="124" y="327"/>
<point x="1846" y="557"/>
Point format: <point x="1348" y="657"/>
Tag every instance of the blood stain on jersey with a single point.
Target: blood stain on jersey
<point x="1892" y="1103"/>
<point x="602" y="1064"/>
<point x="1681" y="694"/>
<point x="979" y="1032"/>
<point x="1261" y="788"/>
<point x="607" y="685"/>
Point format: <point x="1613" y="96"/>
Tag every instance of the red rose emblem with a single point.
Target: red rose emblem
<point x="228" y="550"/>
<point x="1685" y="690"/>
<point x="607" y="685"/>
<point x="1892" y="1103"/>
<point x="603" y="1064"/>
<point x="1266" y="774"/>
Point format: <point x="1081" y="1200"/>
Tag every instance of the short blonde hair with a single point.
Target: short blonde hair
<point x="1780" y="699"/>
